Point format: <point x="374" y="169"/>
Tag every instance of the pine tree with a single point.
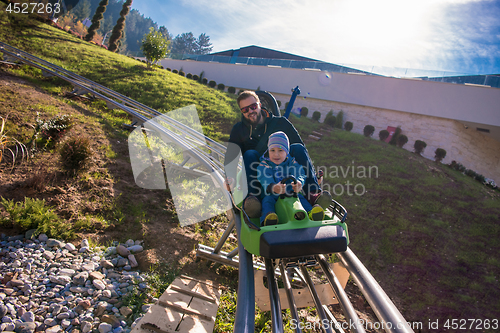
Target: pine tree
<point x="117" y="33"/>
<point x="96" y="20"/>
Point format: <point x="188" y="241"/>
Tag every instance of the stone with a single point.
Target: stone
<point x="105" y="327"/>
<point x="132" y="261"/>
<point x="112" y="320"/>
<point x="96" y="275"/>
<point x="135" y="249"/>
<point x="125" y="311"/>
<point x="122" y="250"/>
<point x="54" y="243"/>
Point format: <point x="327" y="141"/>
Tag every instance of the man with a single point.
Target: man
<point x="250" y="136"/>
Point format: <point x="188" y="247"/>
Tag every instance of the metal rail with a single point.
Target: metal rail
<point x="197" y="145"/>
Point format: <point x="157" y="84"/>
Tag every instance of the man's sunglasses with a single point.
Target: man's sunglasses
<point x="252" y="107"/>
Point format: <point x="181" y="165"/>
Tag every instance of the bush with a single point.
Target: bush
<point x="196" y="77"/>
<point x="394" y="139"/>
<point x="368" y="130"/>
<point x="221" y="86"/>
<point x="457" y="166"/>
<point x="181" y="73"/>
<point x="440" y="154"/>
<point x="304" y="111"/>
<point x="316" y="116"/>
<point x="402" y="140"/>
<point x="75" y="154"/>
<point x="169" y="69"/>
<point x="175" y="71"/>
<point x="419" y="146"/>
<point x="339" y="119"/>
<point x="212" y="84"/>
<point x="231" y="90"/>
<point x="189" y="75"/>
<point x="480" y="178"/>
<point x="348" y="126"/>
<point x="330" y="119"/>
<point x="55" y="128"/>
<point x="34" y="214"/>
<point x="383" y="134"/>
<point x="204" y="80"/>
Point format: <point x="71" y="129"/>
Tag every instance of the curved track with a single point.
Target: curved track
<point x="209" y="157"/>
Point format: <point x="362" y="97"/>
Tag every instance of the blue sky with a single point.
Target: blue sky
<point x="460" y="36"/>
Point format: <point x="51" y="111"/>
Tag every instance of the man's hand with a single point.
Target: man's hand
<point x="279" y="189"/>
<point x="229" y="182"/>
<point x="297" y="186"/>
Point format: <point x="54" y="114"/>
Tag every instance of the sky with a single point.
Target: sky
<point x="461" y="36"/>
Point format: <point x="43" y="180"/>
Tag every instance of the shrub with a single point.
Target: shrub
<point x="75" y="154"/>
<point x="330" y="119"/>
<point x="204" y="80"/>
<point x="339" y="119"/>
<point x="196" y="77"/>
<point x="304" y="111"/>
<point x="316" y="116"/>
<point x="55" y="128"/>
<point x="470" y="173"/>
<point x="221" y="86"/>
<point x="169" y="69"/>
<point x="402" y="140"/>
<point x="480" y="178"/>
<point x="175" y="71"/>
<point x="419" y="146"/>
<point x="212" y="84"/>
<point x="189" y="75"/>
<point x="383" y="134"/>
<point x="457" y="166"/>
<point x="33" y="213"/>
<point x="394" y="139"/>
<point x="231" y="90"/>
<point x="348" y="126"/>
<point x="440" y="154"/>
<point x="181" y="73"/>
<point x="368" y="130"/>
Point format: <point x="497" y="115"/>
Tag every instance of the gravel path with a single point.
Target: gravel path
<point x="52" y="286"/>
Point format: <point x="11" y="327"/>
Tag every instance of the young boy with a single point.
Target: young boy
<point x="272" y="170"/>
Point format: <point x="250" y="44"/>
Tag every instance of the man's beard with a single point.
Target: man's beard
<point x="259" y="117"/>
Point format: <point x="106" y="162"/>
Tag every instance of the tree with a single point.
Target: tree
<point x="154" y="46"/>
<point x="203" y="45"/>
<point x="184" y="44"/>
<point x="96" y="20"/>
<point x="117" y="33"/>
<point x="82" y="10"/>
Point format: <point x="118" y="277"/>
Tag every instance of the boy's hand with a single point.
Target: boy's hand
<point x="279" y="189"/>
<point x="297" y="187"/>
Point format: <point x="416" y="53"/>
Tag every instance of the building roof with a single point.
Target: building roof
<point x="253" y="51"/>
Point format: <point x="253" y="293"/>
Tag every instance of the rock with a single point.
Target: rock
<point x="70" y="247"/>
<point x="96" y="275"/>
<point x="106" y="263"/>
<point x="99" y="284"/>
<point x="112" y="320"/>
<point x="54" y="243"/>
<point x="125" y="311"/>
<point x="43" y="238"/>
<point x="133" y="261"/>
<point x="86" y="327"/>
<point x="135" y="249"/>
<point x="122" y="250"/>
<point x="105" y="327"/>
<point x="54" y="329"/>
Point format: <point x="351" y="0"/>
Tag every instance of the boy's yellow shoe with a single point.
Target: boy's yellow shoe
<point x="317" y="213"/>
<point x="271" y="219"/>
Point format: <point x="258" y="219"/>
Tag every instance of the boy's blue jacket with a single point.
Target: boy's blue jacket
<point x="270" y="174"/>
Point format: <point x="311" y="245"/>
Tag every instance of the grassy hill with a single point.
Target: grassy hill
<point x="430" y="235"/>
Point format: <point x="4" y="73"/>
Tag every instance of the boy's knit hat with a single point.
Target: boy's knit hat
<point x="279" y="139"/>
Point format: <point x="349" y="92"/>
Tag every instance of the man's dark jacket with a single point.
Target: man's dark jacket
<point x="245" y="137"/>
